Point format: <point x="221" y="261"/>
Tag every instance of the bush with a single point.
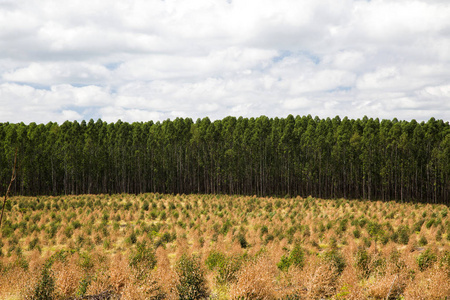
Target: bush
<point x="33" y="243"/>
<point x="445" y="262"/>
<point x="423" y="241"/>
<point x="342" y="227"/>
<point x="269" y="238"/>
<point x="418" y="226"/>
<point x="426" y="259"/>
<point x="143" y="259"/>
<point x="362" y="260"/>
<point x="227" y="266"/>
<point x="45" y="288"/>
<point x="335" y="258"/>
<point x="191" y="282"/>
<point x="430" y="223"/>
<point x="401" y="236"/>
<point x="8" y="205"/>
<point x="242" y="240"/>
<point x="296" y="258"/>
<point x="375" y="229"/>
<point x="132" y="238"/>
<point x="264" y="230"/>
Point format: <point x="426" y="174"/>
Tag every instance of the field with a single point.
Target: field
<point x="155" y="246"/>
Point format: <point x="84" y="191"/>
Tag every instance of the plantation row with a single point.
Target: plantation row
<point x="327" y="158"/>
<point x="156" y="246"/>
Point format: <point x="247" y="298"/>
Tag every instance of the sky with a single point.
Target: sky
<point x="155" y="60"/>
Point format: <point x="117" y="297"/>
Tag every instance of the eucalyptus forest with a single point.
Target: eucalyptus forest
<point x="327" y="158"/>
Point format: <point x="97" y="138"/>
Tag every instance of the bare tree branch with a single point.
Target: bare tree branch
<point x="13" y="177"/>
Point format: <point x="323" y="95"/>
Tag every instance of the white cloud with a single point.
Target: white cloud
<point x="140" y="60"/>
<point x="61" y="72"/>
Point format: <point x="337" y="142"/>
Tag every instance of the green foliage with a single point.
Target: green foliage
<point x="230" y="156"/>
<point x="342" y="227"/>
<point x="401" y="236"/>
<point x="33" y="243"/>
<point x="375" y="230"/>
<point x="362" y="260"/>
<point x="445" y="261"/>
<point x="430" y="223"/>
<point x="423" y="241"/>
<point x="8" y="205"/>
<point x="225" y="227"/>
<point x="264" y="230"/>
<point x="84" y="284"/>
<point x="45" y="287"/>
<point x="142" y="259"/>
<point x="192" y="281"/>
<point x="269" y="238"/>
<point x="426" y="259"/>
<point x="296" y="258"/>
<point x="417" y="226"/>
<point x="335" y="257"/>
<point x="132" y="238"/>
<point x="226" y="266"/>
<point x="242" y="240"/>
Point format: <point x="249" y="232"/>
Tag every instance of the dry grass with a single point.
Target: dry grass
<point x="255" y="281"/>
<point x="104" y="232"/>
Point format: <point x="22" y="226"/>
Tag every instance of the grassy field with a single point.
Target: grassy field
<point x="155" y="246"/>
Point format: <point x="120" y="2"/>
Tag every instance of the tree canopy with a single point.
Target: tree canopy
<point x="328" y="158"/>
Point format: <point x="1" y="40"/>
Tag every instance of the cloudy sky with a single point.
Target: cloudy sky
<point x="153" y="60"/>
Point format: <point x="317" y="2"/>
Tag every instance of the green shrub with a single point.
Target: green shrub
<point x="227" y="266"/>
<point x="68" y="231"/>
<point x="362" y="260"/>
<point x="423" y="241"/>
<point x="418" y="226"/>
<point x="367" y="242"/>
<point x="426" y="259"/>
<point x="45" y="287"/>
<point x="33" y="243"/>
<point x="106" y="244"/>
<point x="284" y="263"/>
<point x="8" y="205"/>
<point x="143" y="259"/>
<point x="264" y="230"/>
<point x="445" y="261"/>
<point x="402" y="235"/>
<point x="242" y="240"/>
<point x="335" y="258"/>
<point x="192" y="283"/>
<point x="214" y="259"/>
<point x="132" y="238"/>
<point x="362" y="222"/>
<point x="343" y="225"/>
<point x="269" y="238"/>
<point x="296" y="258"/>
<point x="375" y="230"/>
<point x="384" y="239"/>
<point x="145" y="205"/>
<point x="430" y="223"/>
<point x="226" y="227"/>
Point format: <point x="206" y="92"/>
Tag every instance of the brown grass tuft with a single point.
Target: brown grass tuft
<point x="431" y="284"/>
<point x="67" y="276"/>
<point x="255" y="281"/>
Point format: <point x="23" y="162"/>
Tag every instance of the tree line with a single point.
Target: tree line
<point x="328" y="158"/>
